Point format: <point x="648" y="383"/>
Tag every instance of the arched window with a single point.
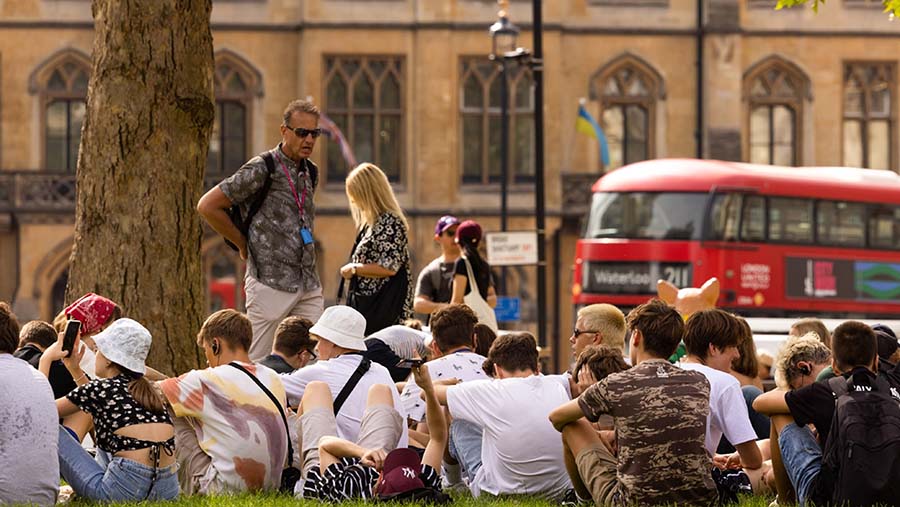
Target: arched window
<point x="869" y="114"/>
<point x="628" y="90"/>
<point x="775" y="90"/>
<point x="480" y="111"/>
<point x="62" y="84"/>
<point x="236" y="83"/>
<point x="364" y="98"/>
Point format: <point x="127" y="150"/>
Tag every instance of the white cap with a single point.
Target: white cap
<point x="342" y="326"/>
<point x="126" y="343"/>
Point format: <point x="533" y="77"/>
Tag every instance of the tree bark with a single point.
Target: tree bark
<point x="150" y="109"/>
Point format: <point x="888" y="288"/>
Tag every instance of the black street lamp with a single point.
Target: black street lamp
<point x="504" y="50"/>
<point x="503" y="43"/>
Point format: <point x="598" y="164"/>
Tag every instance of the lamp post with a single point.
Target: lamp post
<point x="504" y="50"/>
<point x="503" y="43"/>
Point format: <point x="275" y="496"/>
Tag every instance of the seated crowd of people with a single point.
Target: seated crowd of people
<point x="333" y="414"/>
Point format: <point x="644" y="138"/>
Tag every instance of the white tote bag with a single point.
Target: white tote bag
<point x="476" y="302"/>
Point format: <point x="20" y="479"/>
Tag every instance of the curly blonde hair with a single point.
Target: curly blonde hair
<point x="796" y="349"/>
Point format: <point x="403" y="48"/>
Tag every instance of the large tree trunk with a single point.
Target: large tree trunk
<point x="150" y="110"/>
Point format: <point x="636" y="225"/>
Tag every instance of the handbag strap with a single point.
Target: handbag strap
<point x="351" y="384"/>
<point x="359" y="237"/>
<point x="277" y="405"/>
<point x="472" y="282"/>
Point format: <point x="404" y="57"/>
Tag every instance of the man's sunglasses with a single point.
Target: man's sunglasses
<point x="302" y="132"/>
<point x="450" y="233"/>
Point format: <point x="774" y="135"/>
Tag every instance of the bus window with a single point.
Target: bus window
<point x="790" y="220"/>
<point x="725" y="214"/>
<point x="841" y="223"/>
<point x="642" y="215"/>
<point x="753" y="219"/>
<point x="884" y="228"/>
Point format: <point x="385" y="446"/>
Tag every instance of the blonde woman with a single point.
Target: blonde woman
<point x="378" y="271"/>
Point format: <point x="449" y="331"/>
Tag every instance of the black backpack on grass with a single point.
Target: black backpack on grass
<point x="863" y="451"/>
<point x="234" y="212"/>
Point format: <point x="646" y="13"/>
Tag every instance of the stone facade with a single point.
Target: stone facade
<point x="280" y="47"/>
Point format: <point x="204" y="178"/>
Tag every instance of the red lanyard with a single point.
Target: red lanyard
<point x="299" y="200"/>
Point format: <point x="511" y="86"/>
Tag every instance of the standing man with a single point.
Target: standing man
<point x="281" y="277"/>
<point x="433" y="290"/>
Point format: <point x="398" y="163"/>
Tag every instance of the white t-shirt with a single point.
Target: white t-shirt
<point x="521" y="453"/>
<point x="727" y="408"/>
<point x="237" y="424"/>
<point x="336" y="372"/>
<point x="463" y="365"/>
<point x="29" y="435"/>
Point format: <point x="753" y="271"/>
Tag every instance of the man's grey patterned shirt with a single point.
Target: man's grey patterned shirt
<point x="277" y="256"/>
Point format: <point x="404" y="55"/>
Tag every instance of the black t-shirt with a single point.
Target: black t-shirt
<point x="482" y="276"/>
<point x="60" y="379"/>
<point x="814" y="404"/>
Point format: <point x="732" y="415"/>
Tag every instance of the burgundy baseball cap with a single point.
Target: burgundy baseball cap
<point x="469" y="232"/>
<point x="400" y="472"/>
<point x="444" y="223"/>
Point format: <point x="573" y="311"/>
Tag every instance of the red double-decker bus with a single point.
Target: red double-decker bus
<point x="782" y="241"/>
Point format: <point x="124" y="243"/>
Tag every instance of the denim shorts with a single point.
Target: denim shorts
<point x="802" y="459"/>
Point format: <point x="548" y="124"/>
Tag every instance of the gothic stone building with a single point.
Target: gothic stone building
<point x="409" y="83"/>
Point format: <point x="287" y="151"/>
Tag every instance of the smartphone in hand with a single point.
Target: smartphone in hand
<point x="410" y="363"/>
<point x="72" y="328"/>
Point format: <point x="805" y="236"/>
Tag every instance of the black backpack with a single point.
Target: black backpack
<point x="863" y="450"/>
<point x="234" y="212"/>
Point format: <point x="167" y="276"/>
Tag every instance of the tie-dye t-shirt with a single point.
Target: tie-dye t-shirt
<point x="237" y="424"/>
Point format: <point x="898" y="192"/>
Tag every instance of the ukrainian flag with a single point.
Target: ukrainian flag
<point x="586" y="124"/>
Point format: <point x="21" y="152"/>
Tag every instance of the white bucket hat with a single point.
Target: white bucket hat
<point x="126" y="343"/>
<point x="342" y="326"/>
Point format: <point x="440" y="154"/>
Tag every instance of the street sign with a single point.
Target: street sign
<point x="508" y="309"/>
<point x="512" y="248"/>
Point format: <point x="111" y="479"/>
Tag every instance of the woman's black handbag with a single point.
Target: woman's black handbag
<point x="383" y="308"/>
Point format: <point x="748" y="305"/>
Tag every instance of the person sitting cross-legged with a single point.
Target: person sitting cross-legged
<point x="712" y="338"/>
<point x="657" y="453"/>
<point x="337" y="469"/>
<point x="29" y="462"/>
<point x="816" y="479"/>
<point x="520" y="452"/>
<point x="132" y="425"/>
<point x="340" y="345"/>
<point x="230" y="435"/>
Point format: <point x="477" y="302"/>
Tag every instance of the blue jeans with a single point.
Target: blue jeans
<point x="802" y="458"/>
<point x="122" y="480"/>
<point x="465" y="446"/>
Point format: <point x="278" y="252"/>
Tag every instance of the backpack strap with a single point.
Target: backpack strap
<point x="277" y="405"/>
<point x="313" y="170"/>
<point x="838" y="386"/>
<point x="351" y="384"/>
<point x="261" y="194"/>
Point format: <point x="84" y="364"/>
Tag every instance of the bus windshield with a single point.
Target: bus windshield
<point x="645" y="215"/>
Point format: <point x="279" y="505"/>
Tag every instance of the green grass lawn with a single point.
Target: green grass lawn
<point x="285" y="501"/>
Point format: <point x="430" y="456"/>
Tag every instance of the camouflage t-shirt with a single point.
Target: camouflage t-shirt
<point x="660" y="414"/>
<point x="277" y="256"/>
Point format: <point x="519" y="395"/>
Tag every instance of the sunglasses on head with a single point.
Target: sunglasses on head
<point x="302" y="132"/>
